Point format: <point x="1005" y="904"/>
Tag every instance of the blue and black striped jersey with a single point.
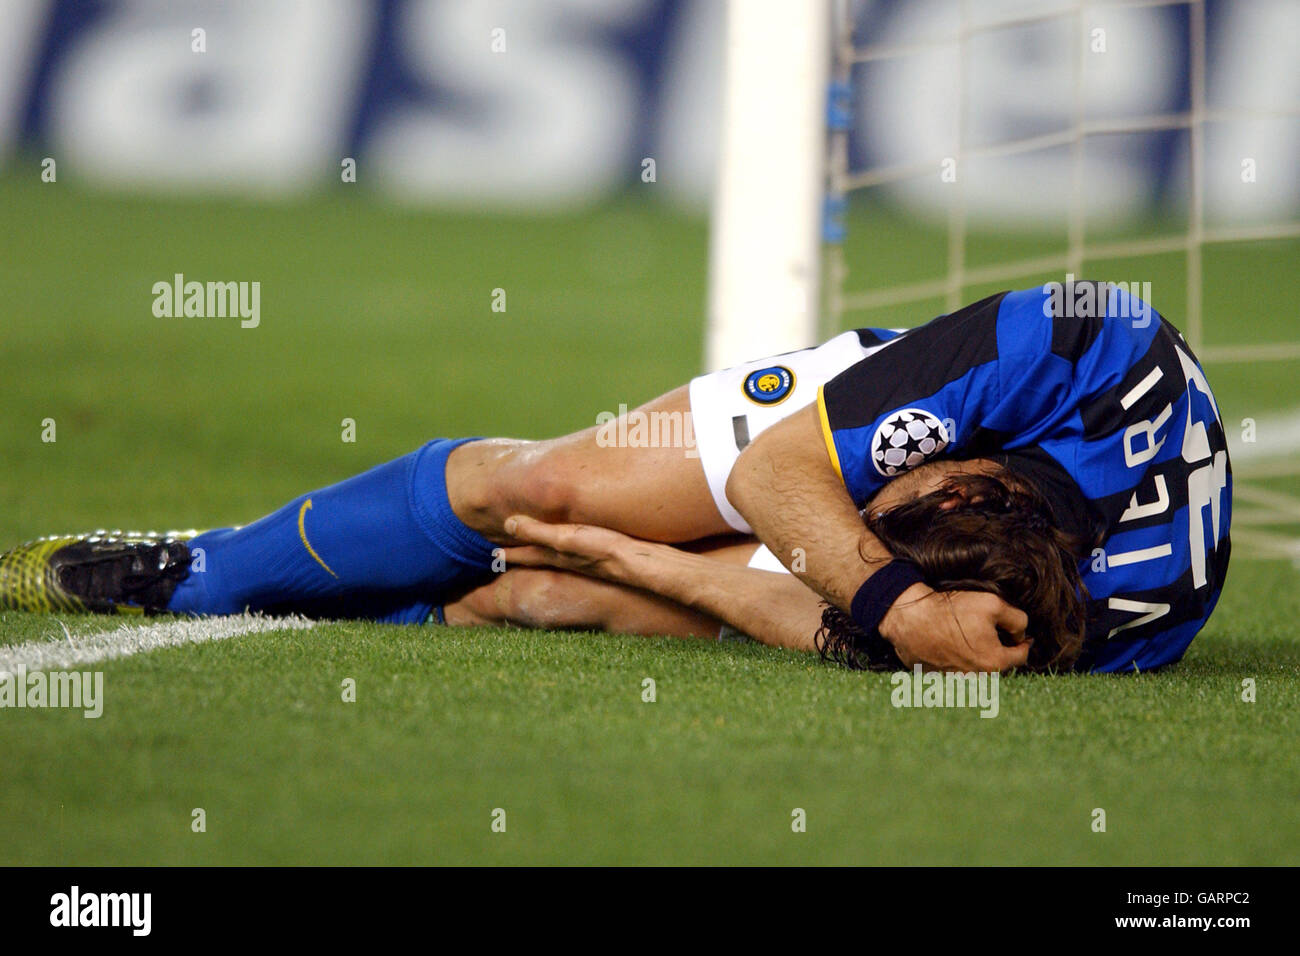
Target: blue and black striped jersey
<point x="1100" y="402"/>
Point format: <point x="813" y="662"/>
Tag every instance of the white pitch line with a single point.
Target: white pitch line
<point x="1273" y="453"/>
<point x="1277" y="436"/>
<point x="126" y="640"/>
<point x="1282" y="507"/>
<point x="1263" y="545"/>
<point x="1261" y="470"/>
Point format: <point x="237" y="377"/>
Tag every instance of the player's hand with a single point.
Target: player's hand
<point x="585" y="548"/>
<point x="956" y="630"/>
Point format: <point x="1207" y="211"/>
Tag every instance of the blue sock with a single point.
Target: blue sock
<point x="390" y="529"/>
<point x="419" y="612"/>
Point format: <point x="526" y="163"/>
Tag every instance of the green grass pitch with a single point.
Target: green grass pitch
<point x="383" y="315"/>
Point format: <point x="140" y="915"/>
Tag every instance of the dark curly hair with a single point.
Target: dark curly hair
<point x="978" y="532"/>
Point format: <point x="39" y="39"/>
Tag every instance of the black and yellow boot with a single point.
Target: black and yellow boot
<point x="106" y="572"/>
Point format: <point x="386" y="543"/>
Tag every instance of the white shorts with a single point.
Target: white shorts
<point x="729" y="409"/>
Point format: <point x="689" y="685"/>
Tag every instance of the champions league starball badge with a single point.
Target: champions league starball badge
<point x="906" y="439"/>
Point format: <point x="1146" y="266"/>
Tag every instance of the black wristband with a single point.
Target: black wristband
<point x="879" y="592"/>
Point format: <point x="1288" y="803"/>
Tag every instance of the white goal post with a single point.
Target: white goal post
<point x="765" y="241"/>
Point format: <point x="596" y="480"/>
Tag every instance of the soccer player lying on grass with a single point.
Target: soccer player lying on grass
<point x="1111" y="502"/>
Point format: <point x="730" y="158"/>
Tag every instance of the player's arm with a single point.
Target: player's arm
<point x="786" y="487"/>
<point x="770" y="607"/>
<point x="997" y="367"/>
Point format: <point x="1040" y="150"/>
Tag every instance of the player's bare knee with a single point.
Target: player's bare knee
<point x="480" y="477"/>
<point x="546" y="490"/>
<point x="477" y="606"/>
<point x="535" y="597"/>
<point x="517" y="477"/>
<point x="737" y="481"/>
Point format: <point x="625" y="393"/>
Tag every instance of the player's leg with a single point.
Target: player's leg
<point x="554" y="600"/>
<point x="671" y="492"/>
<point x="392" y="530"/>
<point x="563" y="600"/>
<point x="428" y="522"/>
<point x="387" y="530"/>
<point x="650" y="487"/>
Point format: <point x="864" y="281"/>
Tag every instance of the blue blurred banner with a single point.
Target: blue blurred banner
<point x="545" y="102"/>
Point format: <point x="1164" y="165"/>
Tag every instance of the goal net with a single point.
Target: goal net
<point x="1081" y="34"/>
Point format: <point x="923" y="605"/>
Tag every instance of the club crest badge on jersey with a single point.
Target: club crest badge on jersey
<point x="769" y="386"/>
<point x="906" y="439"/>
